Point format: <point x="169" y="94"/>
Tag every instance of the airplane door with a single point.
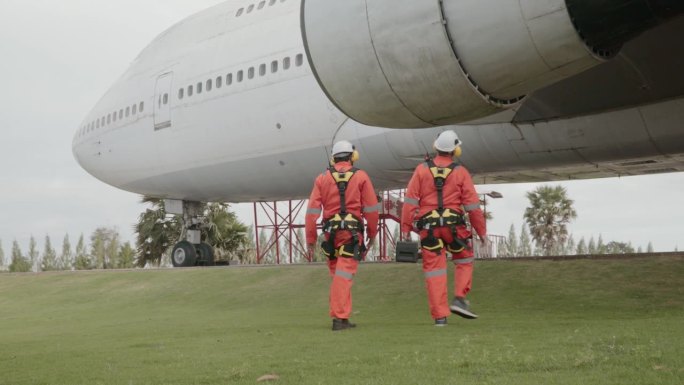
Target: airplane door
<point x="162" y="102"/>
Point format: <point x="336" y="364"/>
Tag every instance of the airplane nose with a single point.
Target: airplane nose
<point x="606" y="25"/>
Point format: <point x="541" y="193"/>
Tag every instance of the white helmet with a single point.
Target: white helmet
<point x="447" y="141"/>
<point x="342" y="147"/>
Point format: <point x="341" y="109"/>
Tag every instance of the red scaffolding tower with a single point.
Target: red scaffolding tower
<point x="283" y="220"/>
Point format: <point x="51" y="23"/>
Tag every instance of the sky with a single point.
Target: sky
<point x="59" y="57"/>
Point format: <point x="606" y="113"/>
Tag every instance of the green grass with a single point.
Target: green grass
<point x="541" y="322"/>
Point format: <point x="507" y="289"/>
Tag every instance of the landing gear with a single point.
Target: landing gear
<point x="184" y="254"/>
<point x="190" y="251"/>
<point x="205" y="255"/>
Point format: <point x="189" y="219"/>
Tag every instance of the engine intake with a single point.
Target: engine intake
<point x="421" y="63"/>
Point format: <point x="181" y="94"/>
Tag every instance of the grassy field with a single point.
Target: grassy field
<point x="541" y="322"/>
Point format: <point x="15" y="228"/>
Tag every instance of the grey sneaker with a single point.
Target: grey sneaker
<point x="461" y="306"/>
<point x="441" y="321"/>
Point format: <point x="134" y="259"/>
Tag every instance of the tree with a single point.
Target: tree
<point x="105" y="247"/>
<point x="582" y="247"/>
<point x="512" y="242"/>
<point x="126" y="257"/>
<point x="640" y="250"/>
<point x="591" y="249"/>
<point x="19" y="264"/>
<point x="570" y="246"/>
<point x="2" y="254"/>
<point x="49" y="262"/>
<point x="33" y="255"/>
<point x="82" y="260"/>
<point x="223" y="230"/>
<point x="248" y="254"/>
<point x="66" y="258"/>
<point x="618" y="248"/>
<point x="600" y="246"/>
<point x="649" y="248"/>
<point x="300" y="255"/>
<point x="266" y="257"/>
<point x="156" y="233"/>
<point x="549" y="213"/>
<point x="525" y="247"/>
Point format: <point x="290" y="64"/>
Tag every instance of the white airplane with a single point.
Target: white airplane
<point x="242" y="102"/>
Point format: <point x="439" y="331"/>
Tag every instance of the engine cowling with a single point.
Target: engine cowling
<point x="421" y="63"/>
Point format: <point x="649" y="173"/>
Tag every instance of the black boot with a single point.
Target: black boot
<point x="342" y="324"/>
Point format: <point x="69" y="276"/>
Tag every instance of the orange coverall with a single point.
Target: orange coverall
<point x="459" y="194"/>
<point x="362" y="202"/>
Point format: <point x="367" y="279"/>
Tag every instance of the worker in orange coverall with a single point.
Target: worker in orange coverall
<point x="439" y="194"/>
<point x="345" y="196"/>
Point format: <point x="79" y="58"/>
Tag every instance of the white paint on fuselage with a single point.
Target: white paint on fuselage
<point x="267" y="137"/>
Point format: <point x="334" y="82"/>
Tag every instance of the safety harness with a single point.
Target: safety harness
<point x="343" y="221"/>
<point x="441" y="216"/>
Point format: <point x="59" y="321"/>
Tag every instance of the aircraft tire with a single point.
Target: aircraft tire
<point x="183" y="254"/>
<point x="206" y="254"/>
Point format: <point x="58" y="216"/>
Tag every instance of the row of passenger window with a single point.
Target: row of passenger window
<point x="113" y="117"/>
<point x="259" y="6"/>
<point x="239" y="76"/>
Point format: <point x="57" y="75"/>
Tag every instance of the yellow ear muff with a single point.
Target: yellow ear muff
<point x="355" y="156"/>
<point x="458" y="151"/>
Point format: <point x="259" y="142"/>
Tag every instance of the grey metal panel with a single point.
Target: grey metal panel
<point x="648" y="69"/>
<point x="512" y="48"/>
<point x="415" y="53"/>
<point x="343" y="56"/>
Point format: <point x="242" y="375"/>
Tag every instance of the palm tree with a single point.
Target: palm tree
<point x="548" y="216"/>
<point x="222" y="230"/>
<point x="156" y="233"/>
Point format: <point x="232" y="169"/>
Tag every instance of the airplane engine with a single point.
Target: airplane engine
<point x="422" y="63"/>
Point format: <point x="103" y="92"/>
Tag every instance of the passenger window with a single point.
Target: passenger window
<point x="229" y="79"/>
<point x="135" y="109"/>
<point x="166" y="99"/>
<point x="261" y="5"/>
<point x="239" y="76"/>
<point x="181" y="93"/>
<point x="274" y="66"/>
<point x="142" y="107"/>
<point x="219" y="82"/>
<point x="250" y="72"/>
<point x="199" y="88"/>
<point x="250" y="8"/>
<point x="271" y="2"/>
<point x="109" y="118"/>
<point x="114" y="117"/>
<point x="262" y="70"/>
<point x="190" y="91"/>
<point x="98" y="123"/>
<point x="128" y="111"/>
<point x="239" y="12"/>
<point x="121" y="111"/>
<point x="286" y="63"/>
<point x="209" y="85"/>
<point x="299" y="60"/>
